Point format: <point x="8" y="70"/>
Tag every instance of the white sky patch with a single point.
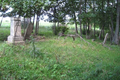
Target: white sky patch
<point x="67" y="17"/>
<point x="45" y="17"/>
<point x="9" y="10"/>
<point x="5" y="19"/>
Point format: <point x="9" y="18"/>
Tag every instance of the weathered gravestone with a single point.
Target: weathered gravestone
<point x="15" y="31"/>
<point x="105" y="39"/>
<point x="29" y="30"/>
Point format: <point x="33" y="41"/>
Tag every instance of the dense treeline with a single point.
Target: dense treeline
<point x="87" y="15"/>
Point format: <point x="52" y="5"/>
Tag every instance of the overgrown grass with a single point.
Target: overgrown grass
<point x="59" y="59"/>
<point x="4" y="33"/>
<point x="45" y="31"/>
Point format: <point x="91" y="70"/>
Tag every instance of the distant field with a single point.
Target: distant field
<point x="45" y="24"/>
<point x="6" y="23"/>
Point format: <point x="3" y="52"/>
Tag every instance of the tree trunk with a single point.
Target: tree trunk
<point x="100" y="34"/>
<point x="24" y="25"/>
<point x="108" y="3"/>
<point x="94" y="29"/>
<point x="80" y="28"/>
<point x="33" y="21"/>
<point x="54" y="26"/>
<point x="37" y="25"/>
<point x="86" y="18"/>
<point x="103" y="21"/>
<point x="88" y="27"/>
<point x="1" y="22"/>
<point x="111" y="23"/>
<point x="84" y="29"/>
<point x="58" y="24"/>
<point x="94" y="18"/>
<point x="75" y="21"/>
<point x="76" y="29"/>
<point x="116" y="35"/>
<point x="80" y="19"/>
<point x="103" y="32"/>
<point x="111" y="33"/>
<point x="112" y="29"/>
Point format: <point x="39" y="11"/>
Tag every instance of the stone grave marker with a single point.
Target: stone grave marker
<point x="29" y="30"/>
<point x="15" y="31"/>
<point x="105" y="39"/>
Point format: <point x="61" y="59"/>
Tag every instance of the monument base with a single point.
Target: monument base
<point x="13" y="39"/>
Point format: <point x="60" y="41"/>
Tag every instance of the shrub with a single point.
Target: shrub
<point x="62" y="29"/>
<point x="4" y="33"/>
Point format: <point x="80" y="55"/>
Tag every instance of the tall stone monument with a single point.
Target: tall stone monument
<point x="15" y="31"/>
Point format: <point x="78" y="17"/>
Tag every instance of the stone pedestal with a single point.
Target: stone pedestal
<point x="15" y="31"/>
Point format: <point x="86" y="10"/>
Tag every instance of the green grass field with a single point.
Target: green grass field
<point x="58" y="59"/>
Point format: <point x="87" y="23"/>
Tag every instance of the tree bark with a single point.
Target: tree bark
<point x="24" y="25"/>
<point x="94" y="18"/>
<point x="86" y="13"/>
<point x="84" y="29"/>
<point x="116" y="35"/>
<point x="58" y="24"/>
<point x="33" y="21"/>
<point x="80" y="18"/>
<point x="108" y="3"/>
<point x="100" y="34"/>
<point x="112" y="29"/>
<point x="111" y="33"/>
<point x="54" y="26"/>
<point x="75" y="21"/>
<point x="37" y="25"/>
<point x="1" y="22"/>
<point x="103" y="22"/>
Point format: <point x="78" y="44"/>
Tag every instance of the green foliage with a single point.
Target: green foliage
<point x="115" y="73"/>
<point x="25" y="9"/>
<point x="4" y="33"/>
<point x="34" y="51"/>
<point x="55" y="11"/>
<point x="62" y="29"/>
<point x="101" y="74"/>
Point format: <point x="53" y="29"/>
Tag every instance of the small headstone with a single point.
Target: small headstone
<point x="105" y="39"/>
<point x="29" y="30"/>
<point x="15" y="31"/>
<point x="93" y="40"/>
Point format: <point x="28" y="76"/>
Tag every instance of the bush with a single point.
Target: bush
<point x="62" y="29"/>
<point x="4" y="33"/>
